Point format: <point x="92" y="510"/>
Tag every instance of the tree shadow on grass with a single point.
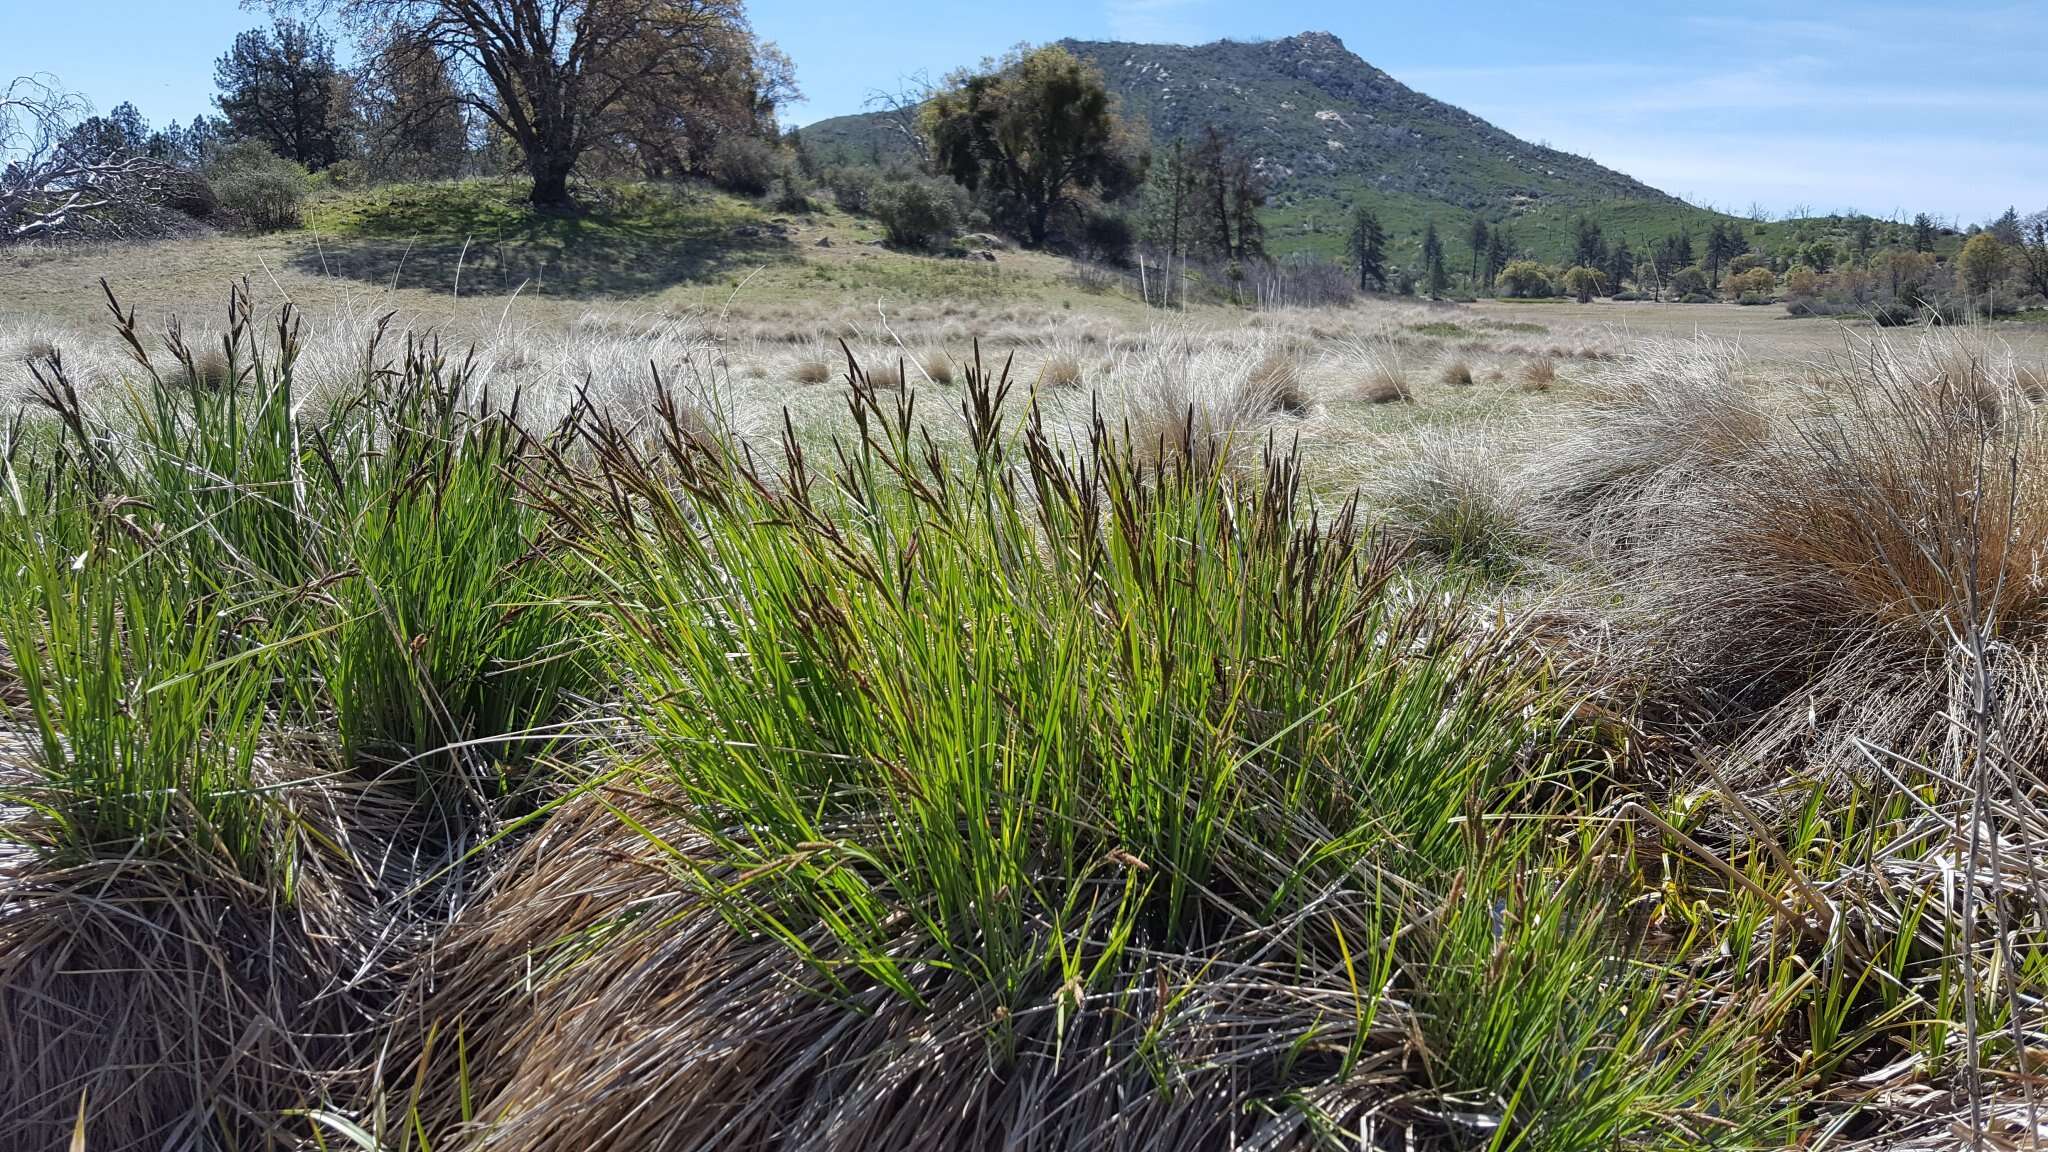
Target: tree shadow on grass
<point x="480" y="237"/>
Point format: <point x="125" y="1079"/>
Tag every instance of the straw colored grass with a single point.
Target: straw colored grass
<point x="1384" y="384"/>
<point x="1060" y="370"/>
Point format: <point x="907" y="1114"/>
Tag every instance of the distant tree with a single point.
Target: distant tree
<point x="1724" y="243"/>
<point x="1500" y="250"/>
<point x="1583" y="282"/>
<point x="2033" y="251"/>
<point x="1164" y="201"/>
<point x="800" y="151"/>
<point x="1222" y="195"/>
<point x="1672" y="253"/>
<point x="1906" y="274"/>
<point x="277" y="86"/>
<point x="1689" y="282"/>
<point x="1862" y="238"/>
<point x="1620" y="264"/>
<point x="1819" y="255"/>
<point x="121" y="132"/>
<point x="1231" y="195"/>
<point x="1923" y="233"/>
<point x="1525" y="279"/>
<point x="1477" y="238"/>
<point x="408" y="111"/>
<point x="1802" y="282"/>
<point x="1031" y="134"/>
<point x="719" y="97"/>
<point x="2006" y="229"/>
<point x="1982" y="264"/>
<point x="1368" y="248"/>
<point x="186" y="146"/>
<point x="1649" y="278"/>
<point x="1435" y="280"/>
<point x="1589" y="248"/>
<point x="551" y="77"/>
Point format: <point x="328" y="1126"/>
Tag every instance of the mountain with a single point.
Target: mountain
<point x="1328" y="130"/>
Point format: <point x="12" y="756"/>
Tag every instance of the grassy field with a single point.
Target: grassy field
<point x="691" y="687"/>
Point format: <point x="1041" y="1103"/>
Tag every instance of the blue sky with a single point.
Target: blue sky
<point x="1880" y="108"/>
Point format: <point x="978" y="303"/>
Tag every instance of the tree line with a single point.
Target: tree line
<point x="438" y="88"/>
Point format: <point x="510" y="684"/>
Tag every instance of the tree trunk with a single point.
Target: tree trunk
<point x="550" y="170"/>
<point x="1039" y="223"/>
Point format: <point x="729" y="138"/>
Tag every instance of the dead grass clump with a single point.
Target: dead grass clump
<point x="1278" y="377"/>
<point x="1457" y="374"/>
<point x="1674" y="412"/>
<point x="886" y="375"/>
<point x="36" y="350"/>
<point x="600" y="1004"/>
<point x="938" y="367"/>
<point x="1452" y="498"/>
<point x="208" y="370"/>
<point x="813" y="372"/>
<point x="2032" y="381"/>
<point x="1184" y="398"/>
<point x="1804" y="575"/>
<point x="1060" y="370"/>
<point x="1384" y="384"/>
<point x="1537" y="374"/>
<point x="185" y="1005"/>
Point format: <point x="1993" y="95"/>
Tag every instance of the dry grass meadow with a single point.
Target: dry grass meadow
<point x="823" y="698"/>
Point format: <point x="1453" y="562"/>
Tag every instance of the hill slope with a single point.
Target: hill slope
<point x="1328" y="130"/>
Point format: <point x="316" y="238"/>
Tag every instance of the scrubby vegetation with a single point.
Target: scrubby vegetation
<point x="419" y="760"/>
<point x="1243" y="711"/>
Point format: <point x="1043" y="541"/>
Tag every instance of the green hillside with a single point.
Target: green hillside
<point x="1328" y="130"/>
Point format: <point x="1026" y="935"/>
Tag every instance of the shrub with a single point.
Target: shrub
<point x="1458" y="374"/>
<point x="1752" y="286"/>
<point x="1108" y="235"/>
<point x="1538" y="374"/>
<point x="1688" y="282"/>
<point x="260" y="191"/>
<point x="791" y="195"/>
<point x="1583" y="283"/>
<point x="813" y="372"/>
<point x="916" y="211"/>
<point x="745" y="164"/>
<point x="1525" y="279"/>
<point x="852" y="188"/>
